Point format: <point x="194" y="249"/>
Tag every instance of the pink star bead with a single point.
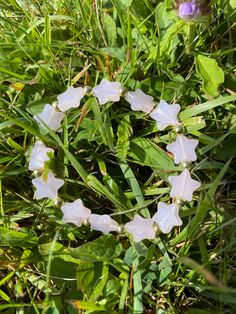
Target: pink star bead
<point x="103" y="223"/>
<point x="38" y="156"/>
<point x="75" y="212"/>
<point x="107" y="91"/>
<point x="47" y="187"/>
<point x="70" y="98"/>
<point x="50" y="117"/>
<point x="183" y="149"/>
<point x="140" y="101"/>
<point x="167" y="217"/>
<point x="166" y="115"/>
<point x="141" y="228"/>
<point x="183" y="186"/>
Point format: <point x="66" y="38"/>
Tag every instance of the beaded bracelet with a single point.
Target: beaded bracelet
<point x="183" y="150"/>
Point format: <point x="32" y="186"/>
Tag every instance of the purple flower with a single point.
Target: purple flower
<point x="188" y="10"/>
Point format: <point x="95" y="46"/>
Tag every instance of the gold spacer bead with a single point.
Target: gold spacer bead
<point x="179" y="201"/>
<point x="55" y="106"/>
<point x="37" y="173"/>
<point x="186" y="164"/>
<point x="40" y="226"/>
<point x="58" y="202"/>
<point x="178" y="129"/>
<point x="123" y="91"/>
<point x="121" y="229"/>
<point x="155" y="227"/>
<point x="87" y="90"/>
<point x="85" y="222"/>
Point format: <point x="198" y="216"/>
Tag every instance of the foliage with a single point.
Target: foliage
<point x="114" y="159"/>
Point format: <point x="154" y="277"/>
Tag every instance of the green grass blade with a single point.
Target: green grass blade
<point x="206" y="106"/>
<point x="135" y="188"/>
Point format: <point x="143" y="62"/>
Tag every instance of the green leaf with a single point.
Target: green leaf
<point x="90" y="306"/>
<point x="104" y="248"/>
<point x="56" y="306"/>
<point x="123" y="134"/>
<point x="9" y="237"/>
<point x="211" y="74"/>
<point x="101" y="279"/>
<point x="116" y="53"/>
<point x="47" y="245"/>
<point x="110" y="28"/>
<point x="14" y="144"/>
<point x="126" y="3"/>
<point x="232" y="4"/>
<point x="140" y="9"/>
<point x="11" y="74"/>
<point x="148" y="258"/>
<point x="85" y="277"/>
<point x="194" y="124"/>
<point x="4" y="296"/>
<point x="163" y="275"/>
<point x="112" y="286"/>
<point x="47" y="30"/>
<point x="164" y="16"/>
<point x="146" y="153"/>
<point x="168" y="43"/>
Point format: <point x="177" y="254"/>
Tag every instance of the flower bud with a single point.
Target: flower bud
<point x="194" y="10"/>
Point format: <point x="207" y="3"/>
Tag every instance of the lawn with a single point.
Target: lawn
<point x="117" y="156"/>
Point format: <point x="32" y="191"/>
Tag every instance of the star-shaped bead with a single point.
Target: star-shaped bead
<point x="107" y="91"/>
<point x="47" y="187"/>
<point x="165" y="115"/>
<point x="140" y="101"/>
<point x="141" y="228"/>
<point x="50" y="117"/>
<point x="39" y="155"/>
<point x="103" y="223"/>
<point x="183" y="186"/>
<point x="183" y="149"/>
<point x="75" y="212"/>
<point x="167" y="217"/>
<point x="70" y="98"/>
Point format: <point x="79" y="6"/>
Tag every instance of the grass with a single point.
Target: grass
<point x="47" y="266"/>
